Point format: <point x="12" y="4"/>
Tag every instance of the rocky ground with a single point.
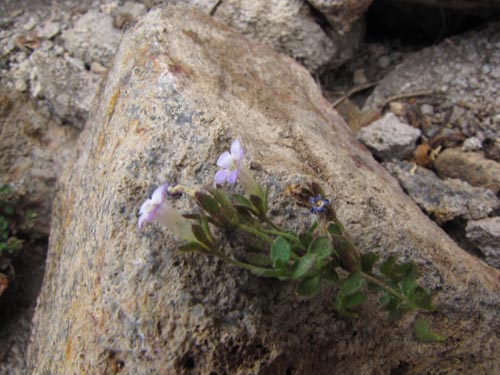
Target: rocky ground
<point x="428" y="108"/>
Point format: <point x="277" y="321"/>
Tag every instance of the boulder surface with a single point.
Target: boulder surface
<point x="117" y="301"/>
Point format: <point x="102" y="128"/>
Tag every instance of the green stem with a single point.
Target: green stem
<point x="384" y="286"/>
<point x="235" y="262"/>
<point x="261" y="234"/>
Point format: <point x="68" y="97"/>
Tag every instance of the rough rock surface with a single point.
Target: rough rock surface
<point x="389" y="138"/>
<point x="485" y="235"/>
<point x="182" y="87"/>
<point x="34" y="151"/>
<point x="93" y="38"/>
<point x="341" y="14"/>
<point x="287" y="26"/>
<point x="443" y="200"/>
<point x="463" y="69"/>
<point x="469" y="166"/>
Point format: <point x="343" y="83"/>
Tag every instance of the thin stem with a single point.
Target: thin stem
<point x="235" y="262"/>
<point x="255" y="233"/>
<point x="384" y="286"/>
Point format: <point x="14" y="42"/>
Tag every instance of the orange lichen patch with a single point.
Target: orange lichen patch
<point x="112" y="103"/>
<point x="68" y="349"/>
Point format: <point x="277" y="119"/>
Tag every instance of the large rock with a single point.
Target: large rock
<point x="485" y="235"/>
<point x="286" y="25"/>
<point x="182" y="87"/>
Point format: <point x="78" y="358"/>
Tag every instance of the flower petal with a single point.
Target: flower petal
<point x="221" y="176"/>
<point x="236" y="150"/>
<point x="232" y="177"/>
<point x="225" y="160"/>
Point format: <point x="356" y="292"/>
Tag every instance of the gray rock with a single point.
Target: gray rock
<point x="341" y="14"/>
<point x="389" y="138"/>
<point x="443" y="200"/>
<point x="34" y="150"/>
<point x="472" y="167"/>
<point x="472" y="144"/>
<point x="48" y="30"/>
<point x="453" y="69"/>
<point x="93" y="38"/>
<point x="485" y="235"/>
<point x="182" y="87"/>
<point x="68" y="89"/>
<point x="286" y="25"/>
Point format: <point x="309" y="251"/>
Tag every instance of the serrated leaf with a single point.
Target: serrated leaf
<point x="423" y="332"/>
<point x="322" y="246"/>
<point x="368" y="260"/>
<point x="280" y="252"/>
<point x="309" y="286"/>
<point x="353" y="300"/>
<point x="303" y="265"/>
<point x="352" y="284"/>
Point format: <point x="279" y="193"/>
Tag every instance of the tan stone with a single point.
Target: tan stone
<point x="116" y="301"/>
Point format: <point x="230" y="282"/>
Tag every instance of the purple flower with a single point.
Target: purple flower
<point x="151" y="208"/>
<point x="318" y="204"/>
<point x="230" y="162"/>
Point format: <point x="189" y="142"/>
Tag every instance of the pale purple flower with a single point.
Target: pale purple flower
<point x="151" y="208"/>
<point x="230" y="162"/>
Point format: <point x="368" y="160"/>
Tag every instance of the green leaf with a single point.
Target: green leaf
<point x="330" y="274"/>
<point x="303" y="265"/>
<point x="408" y="285"/>
<point x="368" y="260"/>
<point x="259" y="204"/>
<point x="280" y="252"/>
<point x="221" y="196"/>
<point x="387" y="267"/>
<point x="322" y="246"/>
<point x="267" y="272"/>
<point x="305" y="239"/>
<point x="334" y="228"/>
<point x="258" y="259"/>
<point x="352" y="284"/>
<point x="207" y="203"/>
<point x="200" y="235"/>
<point x="423" y="332"/>
<point x="190" y="247"/>
<point x="339" y="305"/>
<point x="309" y="286"/>
<point x="353" y="300"/>
<point x="423" y="299"/>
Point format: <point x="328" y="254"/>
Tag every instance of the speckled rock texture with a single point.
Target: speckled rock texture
<point x="34" y="149"/>
<point x="443" y="200"/>
<point x="464" y="69"/>
<point x="485" y="235"/>
<point x="117" y="301"/>
<point x="286" y="25"/>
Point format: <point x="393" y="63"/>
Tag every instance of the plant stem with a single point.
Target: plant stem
<point x="384" y="286"/>
<point x="235" y="262"/>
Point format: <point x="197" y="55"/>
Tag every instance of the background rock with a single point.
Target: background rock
<point x="464" y="70"/>
<point x="469" y="166"/>
<point x="34" y="151"/>
<point x="287" y="26"/>
<point x="443" y="200"/>
<point x="389" y="138"/>
<point x="485" y="235"/>
<point x="182" y="87"/>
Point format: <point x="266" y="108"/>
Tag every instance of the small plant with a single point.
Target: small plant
<point x="322" y="253"/>
<point x="10" y="225"/>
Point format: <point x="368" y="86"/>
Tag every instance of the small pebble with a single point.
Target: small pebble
<point x="472" y="144"/>
<point x="427" y="109"/>
<point x="384" y="62"/>
<point x="359" y="77"/>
